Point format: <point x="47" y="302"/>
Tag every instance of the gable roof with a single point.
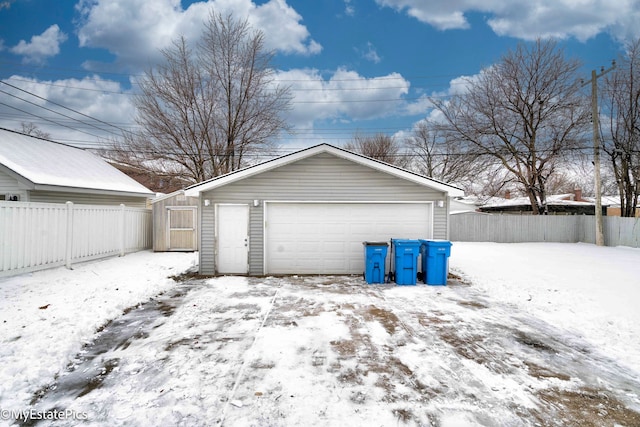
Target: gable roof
<point x="234" y="176"/>
<point x="40" y="164"/>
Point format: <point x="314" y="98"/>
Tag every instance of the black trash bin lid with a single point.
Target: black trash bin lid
<point x="375" y="243"/>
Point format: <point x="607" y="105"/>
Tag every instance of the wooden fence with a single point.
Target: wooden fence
<point x="473" y="227"/>
<point x="36" y="236"/>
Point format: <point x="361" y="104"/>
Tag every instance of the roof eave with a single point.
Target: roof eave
<point x="63" y="189"/>
<point x="195" y="190"/>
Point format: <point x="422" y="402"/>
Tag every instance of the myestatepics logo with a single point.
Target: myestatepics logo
<point x="34" y="414"/>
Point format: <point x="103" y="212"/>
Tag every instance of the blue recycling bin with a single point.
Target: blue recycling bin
<point x="435" y="261"/>
<point x="406" y="260"/>
<point x="375" y="258"/>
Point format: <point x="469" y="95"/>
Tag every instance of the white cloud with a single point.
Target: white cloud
<point x="349" y="9"/>
<point x="529" y="19"/>
<point x="40" y="47"/>
<point x="281" y="26"/>
<point x="370" y="54"/>
<point x="93" y="96"/>
<point x="135" y="30"/>
<point x="419" y="106"/>
<point x="344" y="95"/>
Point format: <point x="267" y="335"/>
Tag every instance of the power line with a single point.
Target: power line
<point x="129" y="75"/>
<point x="48" y="120"/>
<point x="292" y="89"/>
<point x="62" y="106"/>
<point x="53" y="111"/>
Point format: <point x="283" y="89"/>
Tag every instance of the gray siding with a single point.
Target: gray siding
<point x="207" y="238"/>
<point x="86" y="199"/>
<point x="256" y="240"/>
<point x="9" y="185"/>
<point x="323" y="177"/>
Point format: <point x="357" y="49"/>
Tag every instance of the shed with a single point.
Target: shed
<point x="309" y="212"/>
<point x="38" y="170"/>
<point x="175" y="222"/>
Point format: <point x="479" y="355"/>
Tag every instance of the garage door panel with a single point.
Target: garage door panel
<point x="326" y="238"/>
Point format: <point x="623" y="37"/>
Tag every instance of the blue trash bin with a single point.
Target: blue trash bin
<point x="435" y="261"/>
<point x="375" y="256"/>
<point x="406" y="260"/>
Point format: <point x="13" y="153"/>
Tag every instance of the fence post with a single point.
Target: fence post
<point x="123" y="230"/>
<point x="69" y="237"/>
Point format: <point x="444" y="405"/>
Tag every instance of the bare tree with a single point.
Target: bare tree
<point x="526" y="111"/>
<point x="380" y="147"/>
<point x="207" y="107"/>
<point x="29" y="128"/>
<point x="438" y="154"/>
<point x="622" y="136"/>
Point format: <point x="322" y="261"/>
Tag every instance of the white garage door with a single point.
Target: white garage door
<point x="326" y="238"/>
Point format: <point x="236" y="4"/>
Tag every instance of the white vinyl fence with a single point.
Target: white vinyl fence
<point x="36" y="236"/>
<point x="471" y="227"/>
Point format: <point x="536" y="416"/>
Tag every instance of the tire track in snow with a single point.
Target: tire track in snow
<point x="248" y="355"/>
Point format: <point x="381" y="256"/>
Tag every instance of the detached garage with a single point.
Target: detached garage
<point x="310" y="211"/>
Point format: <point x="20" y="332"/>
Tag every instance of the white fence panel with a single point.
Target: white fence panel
<point x="29" y="235"/>
<point x="139" y="229"/>
<point x="95" y="231"/>
<point x="543" y="228"/>
<point x="35" y="236"/>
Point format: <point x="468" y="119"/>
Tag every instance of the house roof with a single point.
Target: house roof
<point x="219" y="181"/>
<point x="552" y="200"/>
<point x="40" y="164"/>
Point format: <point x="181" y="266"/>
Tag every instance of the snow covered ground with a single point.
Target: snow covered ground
<point x="533" y="334"/>
<point x="589" y="290"/>
<point x="46" y="316"/>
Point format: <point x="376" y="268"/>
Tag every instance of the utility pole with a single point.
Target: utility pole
<point x="596" y="150"/>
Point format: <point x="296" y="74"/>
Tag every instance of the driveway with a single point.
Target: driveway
<point x="326" y="351"/>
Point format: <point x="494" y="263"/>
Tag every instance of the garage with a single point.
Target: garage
<point x="326" y="238"/>
<point x="308" y="212"/>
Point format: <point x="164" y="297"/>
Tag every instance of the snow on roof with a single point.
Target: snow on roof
<point x="47" y="163"/>
<point x="556" y="199"/>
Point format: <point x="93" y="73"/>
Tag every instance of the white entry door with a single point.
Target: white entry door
<point x="233" y="239"/>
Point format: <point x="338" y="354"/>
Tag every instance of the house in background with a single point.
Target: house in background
<point x="559" y="204"/>
<point x="309" y="213"/>
<point x="37" y="170"/>
<point x="464" y="205"/>
<point x="613" y="206"/>
<point x="155" y="183"/>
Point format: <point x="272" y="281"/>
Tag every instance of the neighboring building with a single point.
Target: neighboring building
<point x="155" y="183"/>
<point x="175" y="219"/>
<point x="466" y="204"/>
<point x="309" y="212"/>
<point x="39" y="170"/>
<point x="559" y="204"/>
<point x="613" y="206"/>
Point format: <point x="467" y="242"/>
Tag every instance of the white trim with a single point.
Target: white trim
<point x="266" y="203"/>
<point x="196" y="190"/>
<point x="88" y="190"/>
<point x="162" y="197"/>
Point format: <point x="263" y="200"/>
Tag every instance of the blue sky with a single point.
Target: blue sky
<point x="361" y="66"/>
